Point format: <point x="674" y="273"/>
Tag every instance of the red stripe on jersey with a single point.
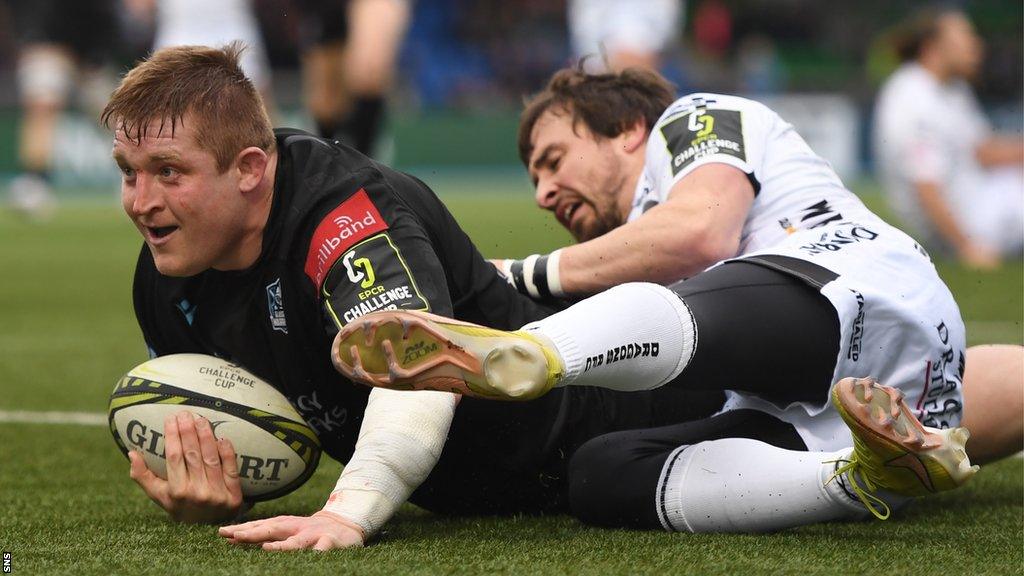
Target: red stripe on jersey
<point x="353" y="220"/>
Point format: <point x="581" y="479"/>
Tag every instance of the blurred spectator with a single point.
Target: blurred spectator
<point x="627" y="33"/>
<point x="947" y="174"/>
<point x="758" y="66"/>
<point x="712" y="28"/>
<point x="64" y="46"/>
<point x="350" y="52"/>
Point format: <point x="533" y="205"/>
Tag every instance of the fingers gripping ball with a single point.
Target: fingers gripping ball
<point x="275" y="451"/>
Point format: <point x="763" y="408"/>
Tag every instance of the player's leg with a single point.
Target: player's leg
<point x="994" y="401"/>
<point x="739" y="326"/>
<point x="746" y="471"/>
<point x="45" y="71"/>
<point x="61" y="39"/>
<point x="376" y="30"/>
<point x="323" y="86"/>
<point x="632" y="337"/>
<point x="615" y="479"/>
<point x="324" y="29"/>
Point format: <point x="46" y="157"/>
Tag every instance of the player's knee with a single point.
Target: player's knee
<point x="612" y="479"/>
<point x="590" y="471"/>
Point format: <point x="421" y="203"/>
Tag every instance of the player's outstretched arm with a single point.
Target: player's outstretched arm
<point x="937" y="210"/>
<point x="698" y="225"/>
<point x="202" y="483"/>
<point x="400" y="441"/>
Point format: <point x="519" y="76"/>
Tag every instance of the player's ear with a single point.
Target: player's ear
<point x="634" y="136"/>
<point x="251" y="164"/>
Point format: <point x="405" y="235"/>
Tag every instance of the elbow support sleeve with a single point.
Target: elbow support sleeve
<point x="400" y="440"/>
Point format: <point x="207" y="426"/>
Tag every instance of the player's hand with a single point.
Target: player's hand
<point x="980" y="257"/>
<point x="321" y="531"/>
<point x="202" y="483"/>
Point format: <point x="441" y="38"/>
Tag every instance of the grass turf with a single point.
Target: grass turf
<point x="67" y="506"/>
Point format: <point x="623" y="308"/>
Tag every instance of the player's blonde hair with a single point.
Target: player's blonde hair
<point x="206" y="83"/>
<point x="607" y="104"/>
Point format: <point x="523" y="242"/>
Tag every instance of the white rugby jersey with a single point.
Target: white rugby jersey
<point x="795" y="188"/>
<point x="927" y="131"/>
<point x="906" y="331"/>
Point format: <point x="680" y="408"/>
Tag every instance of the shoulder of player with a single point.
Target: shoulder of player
<point x="707" y="101"/>
<point x="376" y="201"/>
<point x="307" y="155"/>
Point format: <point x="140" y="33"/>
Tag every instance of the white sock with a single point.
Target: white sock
<point x="743" y="485"/>
<point x="635" y="336"/>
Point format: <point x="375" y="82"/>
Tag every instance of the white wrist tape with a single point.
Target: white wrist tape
<point x="400" y="440"/>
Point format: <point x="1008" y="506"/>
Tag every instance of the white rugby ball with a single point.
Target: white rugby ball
<point x="276" y="451"/>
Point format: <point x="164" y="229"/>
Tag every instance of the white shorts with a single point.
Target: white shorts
<point x="898" y="322"/>
<point x="636" y="25"/>
<point x="208" y="23"/>
<point x="45" y="76"/>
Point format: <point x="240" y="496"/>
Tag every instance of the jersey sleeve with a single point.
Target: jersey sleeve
<point x="702" y="129"/>
<point x="371" y="253"/>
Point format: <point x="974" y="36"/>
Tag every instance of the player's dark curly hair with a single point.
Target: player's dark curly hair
<point x="207" y="83"/>
<point x="607" y="104"/>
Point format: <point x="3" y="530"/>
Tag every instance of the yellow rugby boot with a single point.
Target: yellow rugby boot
<point x="407" y="350"/>
<point x="892" y="451"/>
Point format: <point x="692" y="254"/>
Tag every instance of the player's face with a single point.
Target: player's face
<point x="190" y="213"/>
<point x="960" y="45"/>
<point x="578" y="177"/>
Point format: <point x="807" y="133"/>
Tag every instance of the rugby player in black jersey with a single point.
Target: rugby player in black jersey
<point x="259" y="245"/>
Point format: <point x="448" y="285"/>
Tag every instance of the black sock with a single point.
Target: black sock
<point x="363" y="124"/>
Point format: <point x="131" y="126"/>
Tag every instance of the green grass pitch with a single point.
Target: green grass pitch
<point x="67" y="333"/>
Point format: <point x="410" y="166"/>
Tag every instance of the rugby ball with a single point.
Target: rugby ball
<point x="276" y="451"/>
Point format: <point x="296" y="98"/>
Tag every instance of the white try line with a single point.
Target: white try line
<point x="30" y="417"/>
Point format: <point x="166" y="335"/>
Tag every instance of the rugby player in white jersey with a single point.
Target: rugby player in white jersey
<point x="793" y="285"/>
<point x="949" y="176"/>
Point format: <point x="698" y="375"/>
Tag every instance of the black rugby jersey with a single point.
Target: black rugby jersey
<point x="347" y="236"/>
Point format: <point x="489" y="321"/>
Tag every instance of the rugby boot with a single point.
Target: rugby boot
<point x="892" y="450"/>
<point x="407" y="350"/>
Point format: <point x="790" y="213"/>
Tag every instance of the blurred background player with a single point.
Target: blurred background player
<point x="349" y="60"/>
<point x="955" y="182"/>
<point x="209" y="23"/>
<point x="64" y="44"/>
<point x="627" y="34"/>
